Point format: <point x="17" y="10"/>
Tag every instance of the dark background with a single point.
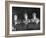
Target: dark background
<point x="20" y="11"/>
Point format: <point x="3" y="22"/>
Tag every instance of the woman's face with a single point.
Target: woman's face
<point x="26" y="16"/>
<point x="34" y="14"/>
<point x="15" y="17"/>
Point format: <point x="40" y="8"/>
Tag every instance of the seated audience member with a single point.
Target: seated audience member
<point x="26" y="21"/>
<point x="35" y="19"/>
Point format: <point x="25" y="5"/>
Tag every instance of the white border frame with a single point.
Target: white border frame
<point x="26" y="32"/>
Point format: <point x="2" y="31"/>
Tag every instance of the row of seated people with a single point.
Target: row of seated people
<point x="26" y="24"/>
<point x="26" y="21"/>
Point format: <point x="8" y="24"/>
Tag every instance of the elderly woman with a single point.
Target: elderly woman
<point x="35" y="19"/>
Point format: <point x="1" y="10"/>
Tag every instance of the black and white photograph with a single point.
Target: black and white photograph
<point x="25" y="18"/>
